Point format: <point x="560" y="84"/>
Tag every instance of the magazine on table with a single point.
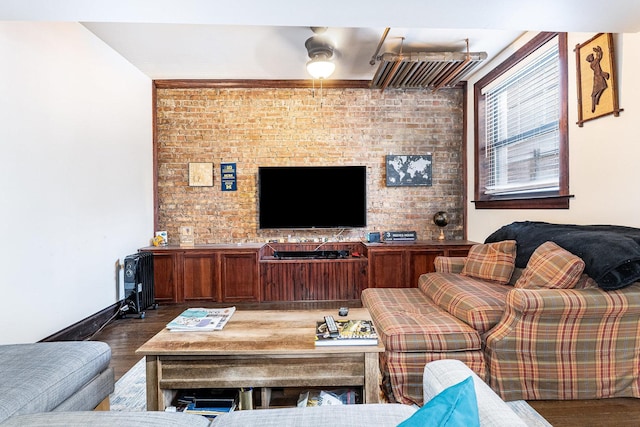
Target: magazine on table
<point x="201" y="319"/>
<point x="207" y="402"/>
<point x="211" y="407"/>
<point x="351" y="332"/>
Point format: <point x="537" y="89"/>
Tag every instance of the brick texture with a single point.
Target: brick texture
<point x="291" y="127"/>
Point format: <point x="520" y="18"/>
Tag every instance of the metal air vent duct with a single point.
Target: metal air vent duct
<point x="420" y="70"/>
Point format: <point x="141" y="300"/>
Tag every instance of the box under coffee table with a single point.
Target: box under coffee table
<point x="258" y="348"/>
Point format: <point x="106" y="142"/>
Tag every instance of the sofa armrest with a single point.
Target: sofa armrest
<point x="449" y="264"/>
<point x="492" y="410"/>
<point x="566" y="344"/>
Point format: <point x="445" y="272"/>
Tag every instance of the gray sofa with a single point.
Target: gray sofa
<point x="54" y="376"/>
<point x="438" y="375"/>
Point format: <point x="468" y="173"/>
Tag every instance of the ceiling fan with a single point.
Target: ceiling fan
<point x="320" y="50"/>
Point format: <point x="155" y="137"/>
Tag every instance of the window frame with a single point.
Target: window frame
<point x="534" y="200"/>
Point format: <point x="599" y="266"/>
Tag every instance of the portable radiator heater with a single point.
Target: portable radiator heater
<point x="138" y="284"/>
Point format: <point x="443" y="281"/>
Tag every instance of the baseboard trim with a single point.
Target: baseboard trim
<point x="83" y="329"/>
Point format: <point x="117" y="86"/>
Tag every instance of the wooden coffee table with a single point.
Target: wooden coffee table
<point x="258" y="348"/>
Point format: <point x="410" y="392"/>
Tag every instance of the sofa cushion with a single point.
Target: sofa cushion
<point x="551" y="266"/>
<point x="407" y="321"/>
<point x="91" y="395"/>
<point x="373" y="414"/>
<point x="454" y="406"/>
<point x="108" y="419"/>
<point x="493" y="411"/>
<point x="38" y="377"/>
<point x="449" y="264"/>
<point x="480" y="304"/>
<point x="585" y="282"/>
<point x="491" y="261"/>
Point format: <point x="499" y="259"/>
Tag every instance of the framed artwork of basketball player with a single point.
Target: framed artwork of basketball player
<point x="596" y="78"/>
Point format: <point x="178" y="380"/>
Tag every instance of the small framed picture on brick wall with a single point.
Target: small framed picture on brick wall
<point x="187" y="237"/>
<point x="409" y="170"/>
<point x="201" y="174"/>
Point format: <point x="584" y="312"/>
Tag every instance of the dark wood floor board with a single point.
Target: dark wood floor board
<point x="590" y="413"/>
<point x="126" y="335"/>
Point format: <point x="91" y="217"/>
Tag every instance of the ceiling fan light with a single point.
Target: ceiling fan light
<point x="320" y="67"/>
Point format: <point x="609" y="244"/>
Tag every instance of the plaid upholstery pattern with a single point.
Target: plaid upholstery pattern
<point x="414" y="331"/>
<point x="566" y="344"/>
<point x="406" y="370"/>
<point x="478" y="303"/>
<point x="557" y="344"/>
<point x="491" y="261"/>
<point x="551" y="266"/>
<point x="406" y="321"/>
<point x="585" y="282"/>
<point x="449" y="264"/>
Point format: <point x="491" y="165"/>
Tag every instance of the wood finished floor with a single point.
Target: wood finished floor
<point x="126" y="335"/>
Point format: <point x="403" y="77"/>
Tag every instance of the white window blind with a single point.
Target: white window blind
<point x="523" y="126"/>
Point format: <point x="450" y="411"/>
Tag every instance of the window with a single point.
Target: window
<point x="521" y="129"/>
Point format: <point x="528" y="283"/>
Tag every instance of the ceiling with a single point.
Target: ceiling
<point x="257" y="39"/>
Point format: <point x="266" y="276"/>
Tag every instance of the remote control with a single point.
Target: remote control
<point x="332" y="327"/>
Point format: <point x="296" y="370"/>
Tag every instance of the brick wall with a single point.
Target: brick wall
<point x="287" y="127"/>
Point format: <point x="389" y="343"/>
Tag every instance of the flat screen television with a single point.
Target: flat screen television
<point x="303" y="197"/>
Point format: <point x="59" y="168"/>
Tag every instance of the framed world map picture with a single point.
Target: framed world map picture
<point x="409" y="170"/>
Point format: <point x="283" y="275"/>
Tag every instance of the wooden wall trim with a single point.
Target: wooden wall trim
<point x="85" y="328"/>
<point x="253" y="84"/>
<point x="154" y="148"/>
<point x="465" y="171"/>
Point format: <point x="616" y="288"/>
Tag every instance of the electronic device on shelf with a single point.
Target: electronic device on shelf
<point x="308" y="197"/>
<point x="400" y="236"/>
<point x="338" y="254"/>
<point x="373" y="237"/>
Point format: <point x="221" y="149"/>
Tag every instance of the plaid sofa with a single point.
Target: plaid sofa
<point x="533" y="344"/>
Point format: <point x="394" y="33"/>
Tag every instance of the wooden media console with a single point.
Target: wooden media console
<point x="251" y="272"/>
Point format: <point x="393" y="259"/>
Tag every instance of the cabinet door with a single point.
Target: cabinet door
<point x="278" y="279"/>
<point x="315" y="286"/>
<point x="239" y="276"/>
<point x="420" y="262"/>
<point x="341" y="280"/>
<point x="387" y="269"/>
<point x="165" y="277"/>
<point x="200" y="276"/>
<point x="297" y="278"/>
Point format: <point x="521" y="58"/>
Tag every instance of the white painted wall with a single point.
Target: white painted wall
<point x="76" y="177"/>
<point x="603" y="154"/>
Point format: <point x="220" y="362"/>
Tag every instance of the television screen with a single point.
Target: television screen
<point x="312" y="197"/>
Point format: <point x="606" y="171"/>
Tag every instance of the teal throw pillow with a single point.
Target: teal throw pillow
<point x="453" y="406"/>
